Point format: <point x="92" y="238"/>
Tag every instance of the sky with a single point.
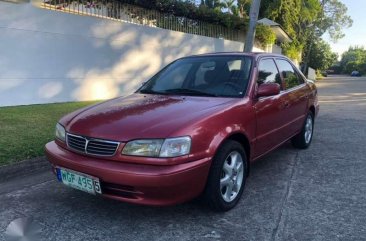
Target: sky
<point x="356" y="35"/>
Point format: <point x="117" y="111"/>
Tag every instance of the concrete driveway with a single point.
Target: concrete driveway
<point x="316" y="194"/>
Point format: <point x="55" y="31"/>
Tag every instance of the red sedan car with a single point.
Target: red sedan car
<point x="194" y="128"/>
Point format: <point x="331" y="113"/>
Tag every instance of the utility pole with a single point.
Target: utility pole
<point x="253" y="18"/>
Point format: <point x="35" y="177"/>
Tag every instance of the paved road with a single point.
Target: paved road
<point x="316" y="194"/>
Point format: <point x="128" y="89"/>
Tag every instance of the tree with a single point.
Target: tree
<point x="334" y="19"/>
<point x="214" y="4"/>
<point x="230" y="5"/>
<point x="354" y="59"/>
<point x="297" y="15"/>
<point x="321" y="55"/>
<point x="305" y="20"/>
<point x="242" y="9"/>
<point x="265" y="35"/>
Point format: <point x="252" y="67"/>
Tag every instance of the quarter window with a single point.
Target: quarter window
<point x="268" y="72"/>
<point x="289" y="74"/>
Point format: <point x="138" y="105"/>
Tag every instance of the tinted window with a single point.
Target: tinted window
<point x="173" y="78"/>
<point x="200" y="74"/>
<point x="225" y="76"/>
<point x="268" y="73"/>
<point x="234" y="65"/>
<point x="289" y="74"/>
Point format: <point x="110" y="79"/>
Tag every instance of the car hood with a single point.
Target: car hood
<point x="140" y="116"/>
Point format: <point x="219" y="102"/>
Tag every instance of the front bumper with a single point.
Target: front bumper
<point x="137" y="183"/>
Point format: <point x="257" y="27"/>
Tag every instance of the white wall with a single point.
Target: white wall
<point x="276" y="49"/>
<point x="48" y="56"/>
<point x="311" y="74"/>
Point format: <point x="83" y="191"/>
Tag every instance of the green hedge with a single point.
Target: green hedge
<point x="265" y="35"/>
<point x="190" y="10"/>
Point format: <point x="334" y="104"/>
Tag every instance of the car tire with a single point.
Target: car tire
<point x="226" y="180"/>
<point x="304" y="138"/>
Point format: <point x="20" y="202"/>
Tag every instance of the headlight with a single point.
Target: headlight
<point x="60" y="132"/>
<point x="172" y="147"/>
<point x="143" y="148"/>
<point x="176" y="147"/>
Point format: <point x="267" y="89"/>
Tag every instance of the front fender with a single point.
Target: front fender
<point x="209" y="133"/>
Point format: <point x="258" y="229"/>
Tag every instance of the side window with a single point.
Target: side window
<point x="290" y="76"/>
<point x="268" y="73"/>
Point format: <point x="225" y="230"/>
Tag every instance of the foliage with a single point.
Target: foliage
<point x="319" y="74"/>
<point x="334" y="19"/>
<point x="321" y="56"/>
<point x="26" y="129"/>
<point x="265" y="34"/>
<point x="303" y="20"/>
<point x="208" y="11"/>
<point x="299" y="17"/>
<point x="293" y="49"/>
<point x="293" y="15"/>
<point x="307" y="20"/>
<point x="354" y="59"/>
<point x="241" y="9"/>
<point x="229" y="5"/>
<point x="213" y="4"/>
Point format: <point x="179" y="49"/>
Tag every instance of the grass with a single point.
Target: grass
<point x="24" y="130"/>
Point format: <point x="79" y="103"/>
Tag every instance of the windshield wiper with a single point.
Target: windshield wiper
<point x="190" y="92"/>
<point x="151" y="92"/>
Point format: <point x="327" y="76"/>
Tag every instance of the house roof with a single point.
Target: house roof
<point x="281" y="34"/>
<point x="268" y="22"/>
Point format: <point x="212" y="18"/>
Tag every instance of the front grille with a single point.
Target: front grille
<point x="77" y="143"/>
<point x="92" y="146"/>
<point x="103" y="148"/>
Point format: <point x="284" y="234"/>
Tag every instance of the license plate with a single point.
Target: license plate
<point x="80" y="181"/>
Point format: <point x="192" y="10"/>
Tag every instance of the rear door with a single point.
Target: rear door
<point x="295" y="96"/>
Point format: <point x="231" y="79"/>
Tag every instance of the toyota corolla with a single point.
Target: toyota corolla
<point x="193" y="129"/>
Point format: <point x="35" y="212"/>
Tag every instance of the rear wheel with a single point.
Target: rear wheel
<point x="227" y="176"/>
<point x="304" y="138"/>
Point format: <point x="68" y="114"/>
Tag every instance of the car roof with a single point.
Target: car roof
<point x="251" y="54"/>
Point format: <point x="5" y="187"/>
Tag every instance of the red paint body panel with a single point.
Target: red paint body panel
<point x="265" y="122"/>
<point x="153" y="185"/>
<point x="141" y="116"/>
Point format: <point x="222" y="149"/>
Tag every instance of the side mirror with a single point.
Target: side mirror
<point x="268" y="89"/>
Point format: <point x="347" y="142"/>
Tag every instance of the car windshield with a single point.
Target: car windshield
<point x="216" y="76"/>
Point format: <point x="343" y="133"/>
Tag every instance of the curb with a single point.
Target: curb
<point x="22" y="168"/>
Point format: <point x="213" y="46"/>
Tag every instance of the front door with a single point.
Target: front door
<point x="270" y="111"/>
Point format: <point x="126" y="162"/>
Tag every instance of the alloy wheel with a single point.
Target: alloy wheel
<point x="232" y="176"/>
<point x="308" y="129"/>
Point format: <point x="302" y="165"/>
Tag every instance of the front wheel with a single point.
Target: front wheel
<point x="227" y="177"/>
<point x="304" y="138"/>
